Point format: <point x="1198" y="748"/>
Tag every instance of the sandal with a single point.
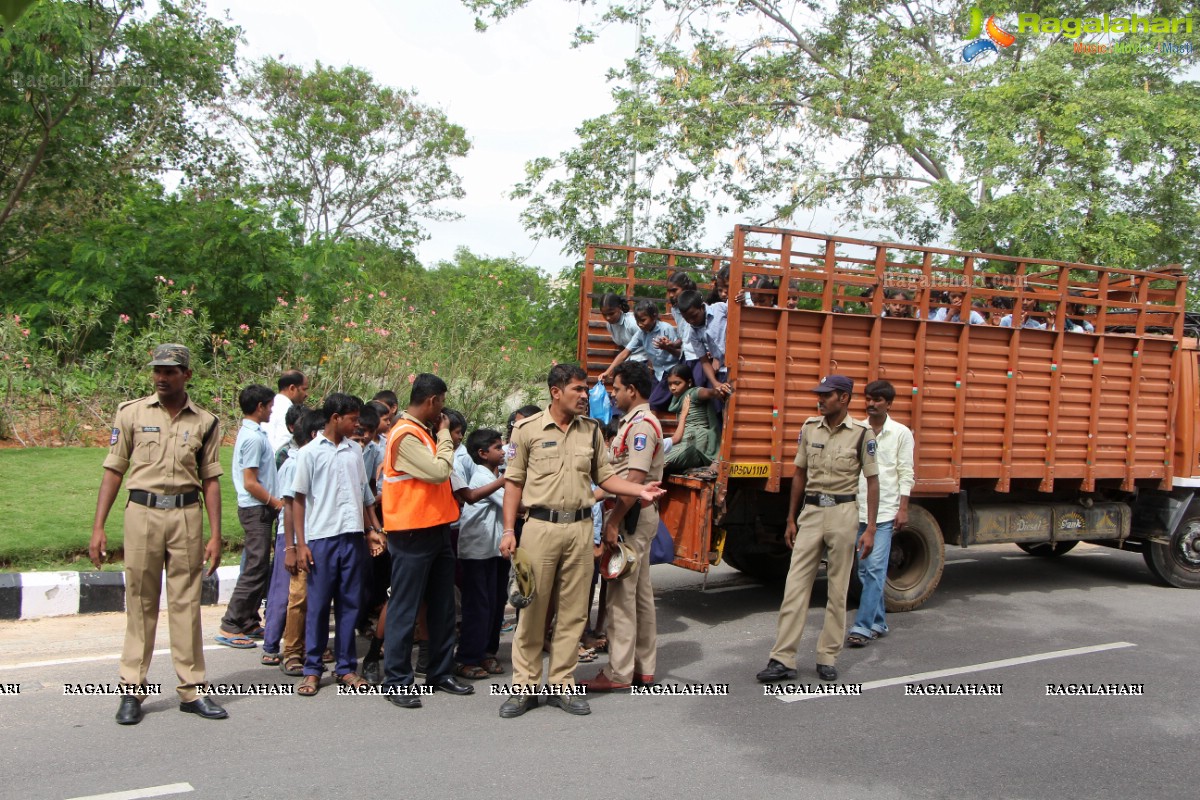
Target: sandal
<point x="271" y="659"/>
<point x="586" y="654"/>
<point x="471" y="672"/>
<point x="293" y="666"/>
<point x="258" y="633"/>
<point x="236" y="641"/>
<point x="858" y="640"/>
<point x="309" y="686"/>
<point x="598" y="643"/>
<point x="352" y="680"/>
<point x="493" y="666"/>
<point x="327" y="656"/>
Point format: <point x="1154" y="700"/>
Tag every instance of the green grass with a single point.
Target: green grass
<point x="48" y="500"/>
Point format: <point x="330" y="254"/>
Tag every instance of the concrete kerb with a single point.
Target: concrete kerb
<point x="31" y="595"/>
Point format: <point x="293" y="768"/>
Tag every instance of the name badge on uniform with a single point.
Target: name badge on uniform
<point x="549" y="444"/>
<point x="150" y="429"/>
<point x="818" y="445"/>
<point x="639" y="441"/>
<point x="185" y="435"/>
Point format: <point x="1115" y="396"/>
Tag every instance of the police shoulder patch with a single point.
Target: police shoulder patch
<point x="510" y="451"/>
<point x="639" y="441"/>
<point x="116" y="434"/>
<point x="870" y="447"/>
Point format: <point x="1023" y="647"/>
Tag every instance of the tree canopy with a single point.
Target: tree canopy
<point x="761" y="109"/>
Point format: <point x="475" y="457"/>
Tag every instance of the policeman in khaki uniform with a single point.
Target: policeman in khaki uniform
<point x="558" y="454"/>
<point x="169" y="448"/>
<point x="638" y="454"/>
<point x="831" y="452"/>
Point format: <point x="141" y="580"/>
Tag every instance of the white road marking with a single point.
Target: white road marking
<point x="138" y="794"/>
<point x="950" y="561"/>
<point x="87" y="659"/>
<point x="986" y="665"/>
<point x="734" y="588"/>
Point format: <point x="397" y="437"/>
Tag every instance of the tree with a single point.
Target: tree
<point x="97" y="95"/>
<point x="355" y="158"/>
<point x="764" y="108"/>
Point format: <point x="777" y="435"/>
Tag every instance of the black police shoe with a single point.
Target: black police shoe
<point x="572" y="705"/>
<point x="775" y="672"/>
<point x="371" y="672"/>
<point x="130" y="710"/>
<point x="404" y="700"/>
<point x="827" y="672"/>
<point x="517" y="705"/>
<point x="204" y="707"/>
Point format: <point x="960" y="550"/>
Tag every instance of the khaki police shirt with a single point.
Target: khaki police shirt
<point x="163" y="455"/>
<point x="835" y="456"/>
<point x="638" y="444"/>
<point x="557" y="468"/>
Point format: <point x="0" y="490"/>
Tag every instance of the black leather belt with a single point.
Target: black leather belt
<point x="562" y="517"/>
<point x="151" y="500"/>
<point x="828" y="500"/>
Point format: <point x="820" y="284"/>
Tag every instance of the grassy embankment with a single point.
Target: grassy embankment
<point x="48" y="500"/>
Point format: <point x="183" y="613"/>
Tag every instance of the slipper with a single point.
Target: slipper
<point x="309" y="686"/>
<point x="858" y="640"/>
<point x="257" y="633"/>
<point x="352" y="680"/>
<point x="493" y="666"/>
<point x="293" y="666"/>
<point x="271" y="659"/>
<point x="471" y="672"/>
<point x="586" y="655"/>
<point x="509" y="627"/>
<point x="327" y="656"/>
<point x="597" y="643"/>
<point x="236" y="642"/>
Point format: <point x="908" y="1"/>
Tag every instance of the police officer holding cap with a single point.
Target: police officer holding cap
<point x="169" y="448"/>
<point x="558" y="454"/>
<point x="831" y="452"/>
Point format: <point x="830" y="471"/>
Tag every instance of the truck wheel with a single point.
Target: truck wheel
<point x="1177" y="564"/>
<point x="1046" y="549"/>
<point x="917" y="558"/>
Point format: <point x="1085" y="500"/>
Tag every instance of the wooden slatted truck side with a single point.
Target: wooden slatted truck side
<point x="1041" y="437"/>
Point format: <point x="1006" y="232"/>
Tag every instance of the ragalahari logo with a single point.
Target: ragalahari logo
<point x="994" y="35"/>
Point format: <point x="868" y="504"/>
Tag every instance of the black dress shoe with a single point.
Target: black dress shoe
<point x="572" y="704"/>
<point x="517" y="705"/>
<point x="451" y="685"/>
<point x="371" y="672"/>
<point x="827" y="672"/>
<point x="776" y="672"/>
<point x="130" y="710"/>
<point x="405" y="700"/>
<point x="204" y="707"/>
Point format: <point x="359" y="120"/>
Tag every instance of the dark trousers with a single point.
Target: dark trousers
<point x="422" y="569"/>
<point x="660" y="397"/>
<point x="484" y="594"/>
<point x="336" y="574"/>
<point x="242" y="614"/>
<point x="277" y="600"/>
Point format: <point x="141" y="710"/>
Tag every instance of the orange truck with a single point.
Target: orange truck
<point x="1036" y="434"/>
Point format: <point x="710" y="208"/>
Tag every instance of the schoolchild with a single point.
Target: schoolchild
<point x="484" y="570"/>
<point x="696" y="438"/>
<point x="654" y="337"/>
<point x="622" y="327"/>
<point x="332" y="500"/>
<point x="283" y="642"/>
<point x="706" y="326"/>
<point x="258" y="506"/>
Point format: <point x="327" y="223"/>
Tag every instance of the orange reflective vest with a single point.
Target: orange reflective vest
<point x="410" y="503"/>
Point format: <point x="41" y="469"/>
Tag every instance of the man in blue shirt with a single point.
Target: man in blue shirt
<point x="254" y="477"/>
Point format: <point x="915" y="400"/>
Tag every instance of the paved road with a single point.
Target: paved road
<point x="994" y="605"/>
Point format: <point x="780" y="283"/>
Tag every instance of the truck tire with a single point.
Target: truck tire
<point x="1177" y="564"/>
<point x="1047" y="549"/>
<point x="917" y="559"/>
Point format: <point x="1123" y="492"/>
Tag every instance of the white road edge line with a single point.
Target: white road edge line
<point x="87" y="659"/>
<point x="138" y="794"/>
<point x="950" y="561"/>
<point x="986" y="665"/>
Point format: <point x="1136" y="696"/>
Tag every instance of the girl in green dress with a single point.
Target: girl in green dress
<point x="696" y="440"/>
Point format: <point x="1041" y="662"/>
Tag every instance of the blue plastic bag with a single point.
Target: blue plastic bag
<point x="662" y="548"/>
<point x="599" y="404"/>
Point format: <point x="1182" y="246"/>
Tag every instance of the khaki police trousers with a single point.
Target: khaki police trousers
<point x="833" y="531"/>
<point x="156" y="538"/>
<point x="562" y="569"/>
<point x="632" y="627"/>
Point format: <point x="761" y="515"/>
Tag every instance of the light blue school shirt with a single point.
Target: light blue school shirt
<point x="333" y="480"/>
<point x="252" y="450"/>
<point x="710" y="338"/>
<point x="481" y="525"/>
<point x="659" y="360"/>
<point x="372" y="458"/>
<point x="464" y="465"/>
<point x="942" y="315"/>
<point x="1007" y="320"/>
<point x="624" y="333"/>
<point x="681" y="330"/>
<point x="287" y="474"/>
